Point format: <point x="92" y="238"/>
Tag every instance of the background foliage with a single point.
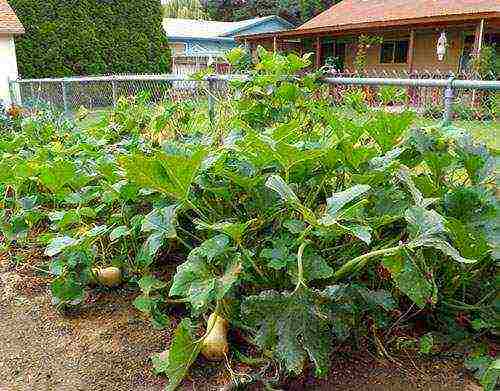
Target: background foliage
<point x="90" y="37"/>
<point x="297" y="11"/>
<point x="185" y="9"/>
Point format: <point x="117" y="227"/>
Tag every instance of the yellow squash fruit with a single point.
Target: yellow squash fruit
<point x="215" y="346"/>
<point x="110" y="276"/>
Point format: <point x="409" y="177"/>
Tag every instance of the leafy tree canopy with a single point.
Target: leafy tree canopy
<point x="185" y="9"/>
<point x="297" y="11"/>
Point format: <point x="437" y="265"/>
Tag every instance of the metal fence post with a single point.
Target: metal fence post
<point x="65" y="97"/>
<point x="211" y="101"/>
<point x="448" y="102"/>
<point x="12" y="94"/>
<point x="115" y="92"/>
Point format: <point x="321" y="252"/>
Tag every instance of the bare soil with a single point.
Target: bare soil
<point x="107" y="345"/>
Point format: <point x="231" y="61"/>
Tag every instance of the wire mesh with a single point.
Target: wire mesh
<point x="478" y="108"/>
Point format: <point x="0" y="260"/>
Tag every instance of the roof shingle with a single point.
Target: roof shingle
<point x="9" y="23"/>
<point x="356" y="12"/>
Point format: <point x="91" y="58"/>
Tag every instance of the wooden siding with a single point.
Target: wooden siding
<point x="425" y="58"/>
<point x="177" y="48"/>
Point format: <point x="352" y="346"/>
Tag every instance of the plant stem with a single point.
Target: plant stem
<point x="184" y="243"/>
<point x="195" y="208"/>
<point x="357" y="263"/>
<point x="175" y="301"/>
<point x="300" y="267"/>
<point x="255" y="266"/>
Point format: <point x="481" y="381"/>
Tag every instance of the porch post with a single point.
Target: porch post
<point x="411" y="51"/>
<point x="318" y="52"/>
<point x="478" y="38"/>
<point x="275" y="44"/>
<point x="253" y="51"/>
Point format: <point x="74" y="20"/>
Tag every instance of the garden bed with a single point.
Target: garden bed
<point x="271" y="243"/>
<point x="107" y="345"/>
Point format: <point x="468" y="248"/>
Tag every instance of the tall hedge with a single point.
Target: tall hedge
<point x="90" y="37"/>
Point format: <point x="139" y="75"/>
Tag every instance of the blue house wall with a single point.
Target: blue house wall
<point x="220" y="45"/>
<point x="199" y="47"/>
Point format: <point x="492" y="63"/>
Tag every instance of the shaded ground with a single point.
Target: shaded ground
<point x="107" y="345"/>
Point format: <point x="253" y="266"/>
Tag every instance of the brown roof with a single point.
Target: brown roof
<point x="374" y="12"/>
<point x="9" y="23"/>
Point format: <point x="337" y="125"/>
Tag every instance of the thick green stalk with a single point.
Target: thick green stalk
<point x="356" y="264"/>
<point x="300" y="267"/>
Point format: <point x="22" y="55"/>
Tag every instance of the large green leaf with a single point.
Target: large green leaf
<point x="404" y="175"/>
<point x="345" y="218"/>
<point x="149" y="283"/>
<point x="279" y="145"/>
<point x="119" y="232"/>
<point x="276" y="183"/>
<point x="213" y="247"/>
<point x="67" y="290"/>
<point x="56" y="176"/>
<point x="202" y="283"/>
<point x="441" y="245"/>
<point x="169" y="174"/>
<point x="183" y="351"/>
<point x="424" y="223"/>
<point x="387" y="128"/>
<point x="339" y="200"/>
<point x="410" y="280"/>
<point x="59" y="244"/>
<point x="469" y="241"/>
<point x="235" y="230"/>
<point x="314" y="265"/>
<point x="427" y="229"/>
<point x="160" y="223"/>
<point x="295" y="325"/>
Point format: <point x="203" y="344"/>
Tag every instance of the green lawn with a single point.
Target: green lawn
<point x="488" y="131"/>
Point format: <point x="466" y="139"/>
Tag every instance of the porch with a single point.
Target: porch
<point x="405" y="50"/>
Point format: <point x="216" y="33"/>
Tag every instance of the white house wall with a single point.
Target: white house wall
<point x="8" y="66"/>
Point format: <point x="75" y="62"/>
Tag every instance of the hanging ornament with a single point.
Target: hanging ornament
<point x="441" y="46"/>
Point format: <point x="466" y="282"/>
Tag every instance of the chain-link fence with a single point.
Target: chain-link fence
<point x="472" y="103"/>
<point x="100" y="93"/>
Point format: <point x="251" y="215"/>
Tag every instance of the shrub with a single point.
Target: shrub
<point x="391" y="95"/>
<point x="90" y="37"/>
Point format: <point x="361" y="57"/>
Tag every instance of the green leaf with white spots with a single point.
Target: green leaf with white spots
<point x="295" y="326"/>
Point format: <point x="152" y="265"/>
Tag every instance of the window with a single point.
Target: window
<point x="394" y="52"/>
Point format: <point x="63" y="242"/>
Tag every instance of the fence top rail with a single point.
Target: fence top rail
<point x="367" y="81"/>
<point x="166" y="77"/>
<point x="441" y="83"/>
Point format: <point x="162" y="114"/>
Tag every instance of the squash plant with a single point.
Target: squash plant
<point x="320" y="203"/>
<point x="295" y="220"/>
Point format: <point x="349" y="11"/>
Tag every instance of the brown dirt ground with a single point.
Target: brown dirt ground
<point x="107" y="346"/>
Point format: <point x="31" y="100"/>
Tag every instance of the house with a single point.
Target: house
<point x="10" y="26"/>
<point x="413" y="36"/>
<point x="195" y="43"/>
